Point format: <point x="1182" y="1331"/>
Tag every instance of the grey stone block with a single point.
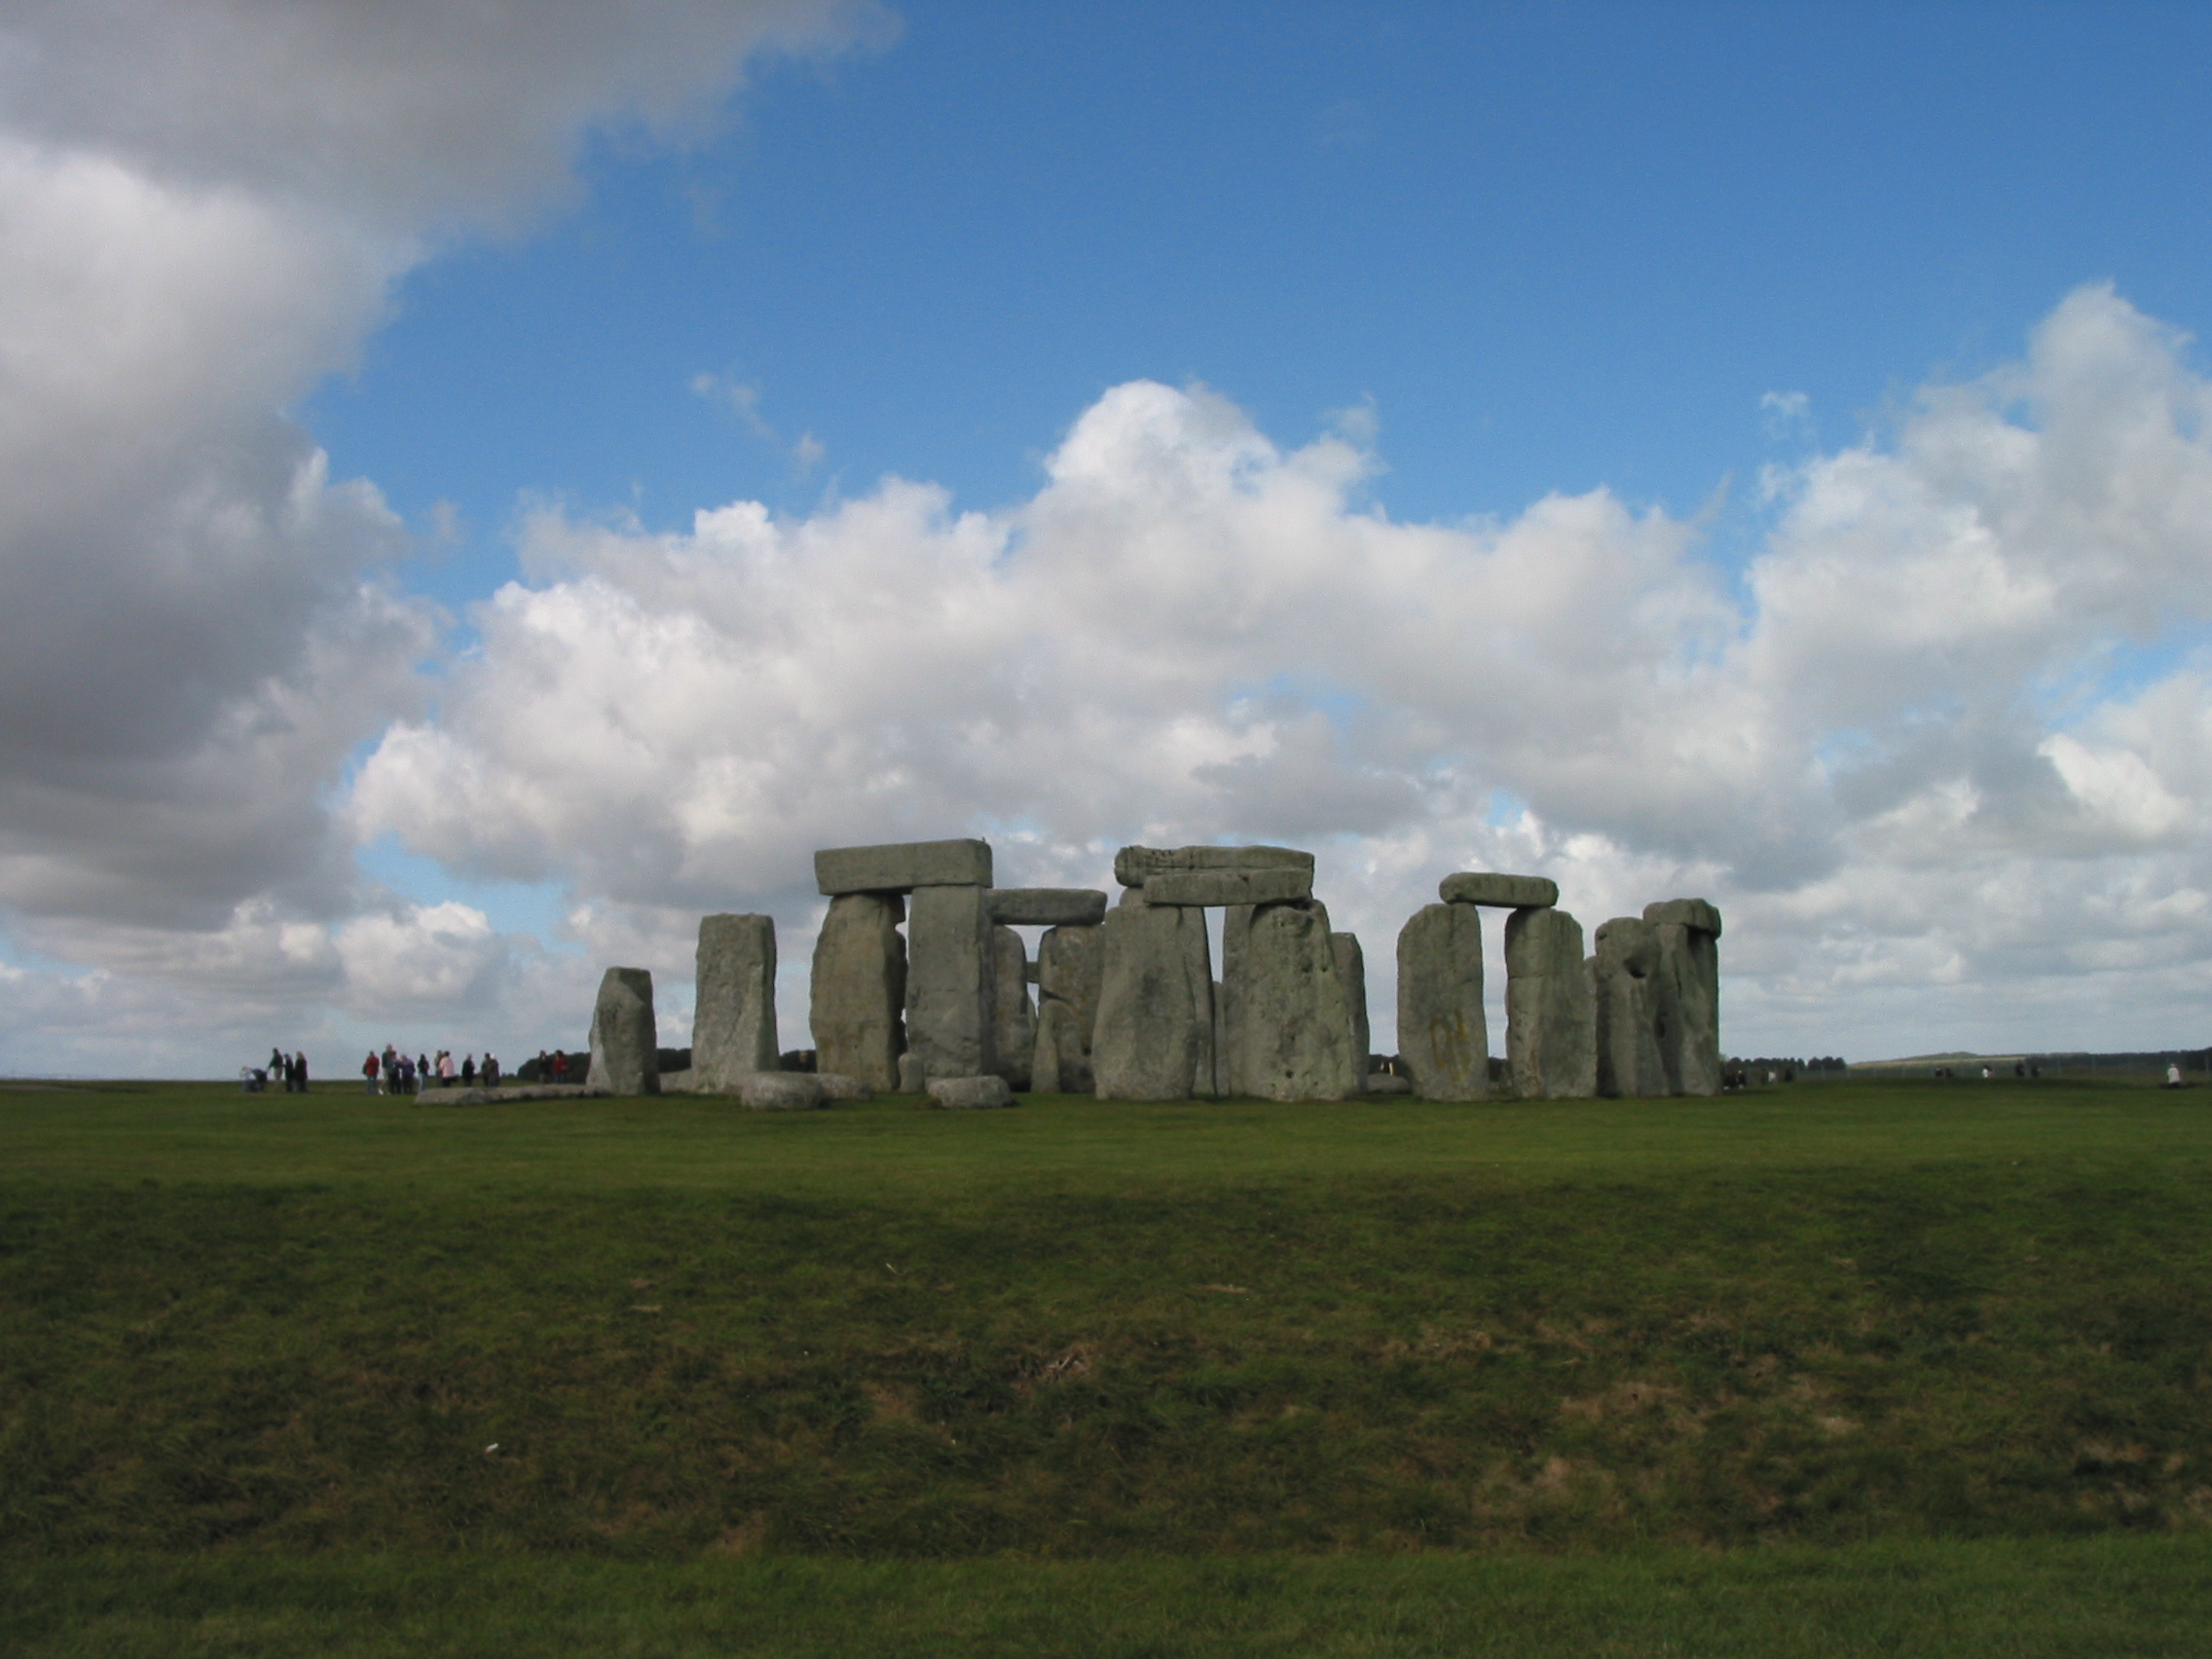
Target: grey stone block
<point x="1047" y="906"/>
<point x="1133" y="867"/>
<point x="1688" y="1004"/>
<point x="1220" y="888"/>
<point x="734" y="1027"/>
<point x="859" y="995"/>
<point x="1503" y="892"/>
<point x="625" y="1049"/>
<point x="1014" y="1037"/>
<point x="911" y="1081"/>
<point x="834" y="1085"/>
<point x="1069" y="961"/>
<point x="970" y="1094"/>
<point x="903" y="865"/>
<point x="1295" y="1031"/>
<point x="780" y="1091"/>
<point x="1235" y="930"/>
<point x="1684" y="913"/>
<point x="1382" y="1082"/>
<point x="1058" y="1064"/>
<point x="1352" y="974"/>
<point x="951" y="982"/>
<point x="1551" y="1033"/>
<point x="1623" y="990"/>
<point x="1154" y="1039"/>
<point x="1443" y="1027"/>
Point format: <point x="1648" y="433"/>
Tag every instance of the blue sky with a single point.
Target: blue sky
<point x="1751" y="451"/>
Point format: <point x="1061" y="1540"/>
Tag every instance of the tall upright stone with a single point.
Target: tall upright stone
<point x="733" y="1025"/>
<point x="1623" y="975"/>
<point x="1069" y="961"/>
<point x="1154" y="1039"/>
<point x="1058" y="1063"/>
<point x="1551" y="1033"/>
<point x="625" y="1044"/>
<point x="1295" y="1031"/>
<point x="1236" y="931"/>
<point x="858" y="996"/>
<point x="1688" y="992"/>
<point x="951" y="982"/>
<point x="1352" y="974"/>
<point x="1014" y="1033"/>
<point x="1442" y="1028"/>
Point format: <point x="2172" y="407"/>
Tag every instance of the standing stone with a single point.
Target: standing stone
<point x="951" y="982"/>
<point x="1352" y="974"/>
<point x="733" y="1027"/>
<point x="1688" y="990"/>
<point x="1551" y="1034"/>
<point x="1295" y="1031"/>
<point x="1068" y="964"/>
<point x="1154" y="1040"/>
<point x="1236" y="931"/>
<point x="860" y="989"/>
<point x="1058" y="1064"/>
<point x="1622" y="982"/>
<point x="1014" y="1038"/>
<point x="1443" y="1029"/>
<point x="625" y="1046"/>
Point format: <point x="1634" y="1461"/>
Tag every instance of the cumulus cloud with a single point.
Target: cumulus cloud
<point x="203" y="206"/>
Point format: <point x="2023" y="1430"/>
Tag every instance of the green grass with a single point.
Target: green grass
<point x="1417" y="1377"/>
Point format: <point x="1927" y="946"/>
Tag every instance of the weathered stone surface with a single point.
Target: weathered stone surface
<point x="1295" y="1030"/>
<point x="1551" y="1033"/>
<point x="625" y="1049"/>
<point x="859" y="995"/>
<point x="1383" y="1083"/>
<point x="503" y="1095"/>
<point x="1225" y="887"/>
<point x="779" y="1092"/>
<point x="1688" y="1004"/>
<point x="834" y="1085"/>
<point x="1014" y="1038"/>
<point x="1443" y="1029"/>
<point x="1684" y="913"/>
<point x="911" y="1078"/>
<point x="1047" y="906"/>
<point x="1133" y="867"/>
<point x="685" y="1082"/>
<point x="1058" y="1065"/>
<point x="1622" y="972"/>
<point x="1504" y="891"/>
<point x="951" y="982"/>
<point x="1352" y="974"/>
<point x="1069" y="960"/>
<point x="1235" y="930"/>
<point x="903" y="865"/>
<point x="733" y="1027"/>
<point x="1154" y="1039"/>
<point x="970" y="1094"/>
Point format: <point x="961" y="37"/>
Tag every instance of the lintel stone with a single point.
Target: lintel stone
<point x="1134" y="866"/>
<point x="1225" y="887"/>
<point x="1504" y="891"/>
<point x="1684" y="913"/>
<point x="903" y="865"/>
<point x="1047" y="907"/>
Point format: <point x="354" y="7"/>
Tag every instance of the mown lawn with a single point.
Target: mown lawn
<point x="1668" y="1376"/>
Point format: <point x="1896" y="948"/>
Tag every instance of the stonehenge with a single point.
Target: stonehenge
<point x="922" y="985"/>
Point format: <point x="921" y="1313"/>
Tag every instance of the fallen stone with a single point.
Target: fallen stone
<point x="1383" y="1083"/>
<point x="858" y="1003"/>
<point x="1504" y="891"/>
<point x="1069" y="962"/>
<point x="1352" y="974"/>
<point x="911" y="1078"/>
<point x="1684" y="913"/>
<point x="685" y="1082"/>
<point x="1295" y="1032"/>
<point x="903" y="865"/>
<point x="1047" y="906"/>
<point x="495" y="1097"/>
<point x="1014" y="1038"/>
<point x="1153" y="1037"/>
<point x="733" y="1025"/>
<point x="1133" y="867"/>
<point x="970" y="1094"/>
<point x="1551" y="1033"/>
<point x="1688" y="993"/>
<point x="625" y="1050"/>
<point x="1630" y="1062"/>
<point x="836" y="1087"/>
<point x="779" y="1092"/>
<point x="1442" y="1028"/>
<point x="1225" y="887"/>
<point x="951" y="982"/>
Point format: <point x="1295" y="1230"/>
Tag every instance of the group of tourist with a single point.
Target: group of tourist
<point x="394" y="1073"/>
<point x="287" y="1071"/>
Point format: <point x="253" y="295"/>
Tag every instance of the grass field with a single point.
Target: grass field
<point x="1896" y="1367"/>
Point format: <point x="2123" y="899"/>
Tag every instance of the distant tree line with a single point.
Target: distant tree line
<point x="1788" y="1070"/>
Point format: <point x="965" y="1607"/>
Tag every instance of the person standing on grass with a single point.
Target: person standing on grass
<point x="468" y="1072"/>
<point x="369" y="1071"/>
<point x="391" y="1069"/>
<point x="490" y="1069"/>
